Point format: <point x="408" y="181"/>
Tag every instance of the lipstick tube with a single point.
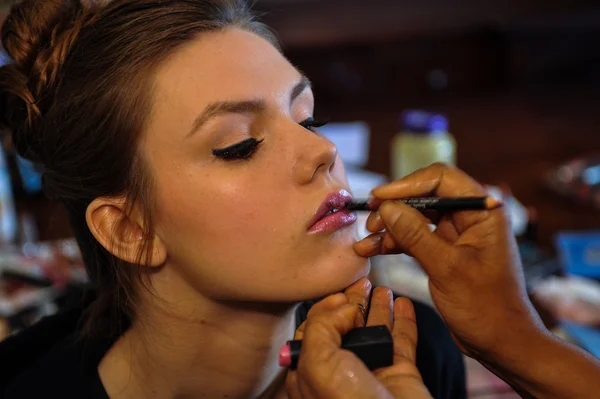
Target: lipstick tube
<point x="373" y="345"/>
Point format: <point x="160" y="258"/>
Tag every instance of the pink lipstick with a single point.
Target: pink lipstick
<point x="333" y="213"/>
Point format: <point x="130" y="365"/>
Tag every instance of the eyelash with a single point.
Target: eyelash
<point x="242" y="150"/>
<point x="247" y="148"/>
<point x="311" y="124"/>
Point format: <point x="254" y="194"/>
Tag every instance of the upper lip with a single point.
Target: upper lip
<point x="335" y="200"/>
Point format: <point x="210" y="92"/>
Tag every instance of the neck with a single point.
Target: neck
<point x="213" y="350"/>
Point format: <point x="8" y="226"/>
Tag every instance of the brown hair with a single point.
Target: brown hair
<point x="76" y="99"/>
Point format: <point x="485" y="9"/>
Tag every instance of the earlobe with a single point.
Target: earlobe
<point x="122" y="233"/>
<point x="158" y="253"/>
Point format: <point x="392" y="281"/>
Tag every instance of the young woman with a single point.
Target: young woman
<point x="206" y="204"/>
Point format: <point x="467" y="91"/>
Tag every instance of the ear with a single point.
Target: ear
<point x="122" y="233"/>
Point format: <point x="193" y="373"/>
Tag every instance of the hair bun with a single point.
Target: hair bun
<point x="37" y="35"/>
<point x="31" y="24"/>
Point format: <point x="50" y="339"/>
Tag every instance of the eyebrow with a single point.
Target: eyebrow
<point x="242" y="107"/>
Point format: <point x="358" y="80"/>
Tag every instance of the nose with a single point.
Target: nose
<point x="317" y="156"/>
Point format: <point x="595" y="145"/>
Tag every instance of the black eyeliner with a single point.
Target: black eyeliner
<point x="313" y="123"/>
<point x="237" y="150"/>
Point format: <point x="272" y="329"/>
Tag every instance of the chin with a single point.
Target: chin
<point x="361" y="270"/>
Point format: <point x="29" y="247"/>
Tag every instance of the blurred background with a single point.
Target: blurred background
<point x="508" y="90"/>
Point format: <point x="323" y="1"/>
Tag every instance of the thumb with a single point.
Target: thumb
<point x="328" y="370"/>
<point x="412" y="234"/>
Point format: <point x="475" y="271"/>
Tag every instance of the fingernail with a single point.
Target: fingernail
<point x="375" y="240"/>
<point x="374" y="203"/>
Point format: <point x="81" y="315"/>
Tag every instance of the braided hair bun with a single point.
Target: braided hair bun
<point x="38" y="35"/>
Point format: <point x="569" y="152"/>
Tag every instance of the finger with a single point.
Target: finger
<point x="291" y="385"/>
<point x="388" y="244"/>
<point x="381" y="308"/>
<point x="373" y="246"/>
<point x="359" y="294"/>
<point x="374" y="203"/>
<point x="321" y="355"/>
<point x="324" y="331"/>
<point x="369" y="246"/>
<point x="390" y="247"/>
<point x="437" y="179"/>
<point x="432" y="216"/>
<point x="411" y="234"/>
<point x="374" y="222"/>
<point x="328" y="303"/>
<point x="447" y="230"/>
<point x="326" y="371"/>
<point x="404" y="331"/>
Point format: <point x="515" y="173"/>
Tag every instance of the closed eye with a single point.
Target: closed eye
<point x="312" y="124"/>
<point x="242" y="150"/>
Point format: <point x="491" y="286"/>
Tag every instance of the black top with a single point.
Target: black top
<point x="49" y="360"/>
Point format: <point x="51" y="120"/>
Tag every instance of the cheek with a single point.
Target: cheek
<point x="219" y="217"/>
<point x="339" y="170"/>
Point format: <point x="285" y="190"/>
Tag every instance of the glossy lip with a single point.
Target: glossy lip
<point x="335" y="221"/>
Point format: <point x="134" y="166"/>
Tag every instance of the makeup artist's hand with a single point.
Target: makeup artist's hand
<point x="357" y="294"/>
<point x="474" y="269"/>
<point x="326" y="371"/>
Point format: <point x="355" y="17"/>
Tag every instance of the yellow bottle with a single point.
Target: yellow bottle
<point x="424" y="140"/>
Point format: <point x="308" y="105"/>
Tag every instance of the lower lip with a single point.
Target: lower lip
<point x="334" y="222"/>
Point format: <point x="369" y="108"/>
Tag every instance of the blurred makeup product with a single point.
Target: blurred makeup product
<point x="424" y="140"/>
<point x="373" y="345"/>
<point x="580" y="253"/>
<point x="578" y="179"/>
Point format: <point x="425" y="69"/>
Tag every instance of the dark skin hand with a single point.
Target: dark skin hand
<point x="325" y="371"/>
<point x="468" y="257"/>
<point x="477" y="284"/>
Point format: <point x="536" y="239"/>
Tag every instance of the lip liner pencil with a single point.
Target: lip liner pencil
<point x="441" y="204"/>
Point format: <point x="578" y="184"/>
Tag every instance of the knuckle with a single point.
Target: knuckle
<point x="403" y="353"/>
<point x="380" y="307"/>
<point x="441" y="166"/>
<point x="411" y="236"/>
<point x="363" y="313"/>
<point x="404" y="343"/>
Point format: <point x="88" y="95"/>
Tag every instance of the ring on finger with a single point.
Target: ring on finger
<point x="363" y="311"/>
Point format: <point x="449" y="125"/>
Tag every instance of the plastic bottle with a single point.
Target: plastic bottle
<point x="424" y="140"/>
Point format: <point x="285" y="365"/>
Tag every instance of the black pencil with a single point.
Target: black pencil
<point x="440" y="204"/>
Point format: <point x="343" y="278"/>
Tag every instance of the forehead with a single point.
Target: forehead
<point x="227" y="65"/>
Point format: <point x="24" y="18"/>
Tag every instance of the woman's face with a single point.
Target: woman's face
<point x="239" y="179"/>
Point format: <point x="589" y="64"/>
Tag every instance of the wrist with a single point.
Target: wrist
<point x="520" y="336"/>
<point x="543" y="365"/>
<point x="516" y="344"/>
<point x="512" y="357"/>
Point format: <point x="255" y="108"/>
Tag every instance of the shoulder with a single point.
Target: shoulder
<point x="68" y="370"/>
